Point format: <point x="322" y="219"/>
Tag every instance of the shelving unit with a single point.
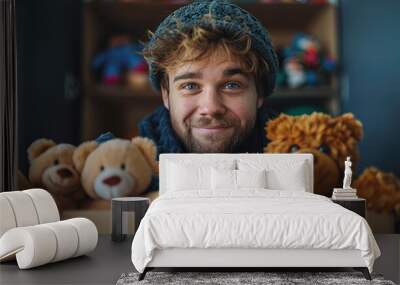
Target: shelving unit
<point x="119" y="110"/>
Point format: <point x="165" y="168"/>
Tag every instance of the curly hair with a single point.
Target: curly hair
<point x="180" y="46"/>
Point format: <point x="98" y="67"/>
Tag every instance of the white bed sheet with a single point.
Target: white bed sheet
<point x="251" y="218"/>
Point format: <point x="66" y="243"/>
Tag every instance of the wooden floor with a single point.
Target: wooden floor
<point x="110" y="260"/>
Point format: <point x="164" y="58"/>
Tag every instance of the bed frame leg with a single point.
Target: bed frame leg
<point x="364" y="271"/>
<point x="143" y="274"/>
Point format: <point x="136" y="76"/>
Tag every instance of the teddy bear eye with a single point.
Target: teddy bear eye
<point x="56" y="162"/>
<point x="294" y="148"/>
<point x="123" y="166"/>
<point x="101" y="168"/>
<point x="324" y="149"/>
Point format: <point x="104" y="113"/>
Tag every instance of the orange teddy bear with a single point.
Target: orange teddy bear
<point x="331" y="140"/>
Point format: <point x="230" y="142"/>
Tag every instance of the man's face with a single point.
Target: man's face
<point x="212" y="103"/>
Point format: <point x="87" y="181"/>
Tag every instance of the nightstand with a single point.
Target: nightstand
<point x="139" y="205"/>
<point x="357" y="205"/>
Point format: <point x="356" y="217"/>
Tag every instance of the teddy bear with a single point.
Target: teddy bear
<point x="115" y="168"/>
<point x="331" y="140"/>
<point x="51" y="167"/>
<point x="380" y="189"/>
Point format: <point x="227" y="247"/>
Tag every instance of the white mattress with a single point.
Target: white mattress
<point x="253" y="218"/>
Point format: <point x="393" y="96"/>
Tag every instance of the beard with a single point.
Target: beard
<point x="213" y="143"/>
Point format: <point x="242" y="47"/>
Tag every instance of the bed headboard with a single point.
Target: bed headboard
<point x="210" y="157"/>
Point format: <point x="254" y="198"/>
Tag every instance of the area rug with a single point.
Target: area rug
<point x="230" y="278"/>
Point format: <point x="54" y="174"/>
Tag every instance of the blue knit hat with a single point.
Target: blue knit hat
<point x="227" y="17"/>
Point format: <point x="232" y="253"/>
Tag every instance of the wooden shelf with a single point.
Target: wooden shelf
<point x="121" y="92"/>
<point x="119" y="14"/>
<point x="281" y="19"/>
<point x="323" y="92"/>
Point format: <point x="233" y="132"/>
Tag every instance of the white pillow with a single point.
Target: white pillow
<point x="184" y="175"/>
<point x="223" y="179"/>
<point x="251" y="179"/>
<point x="280" y="175"/>
<point x="226" y="179"/>
<point x="291" y="179"/>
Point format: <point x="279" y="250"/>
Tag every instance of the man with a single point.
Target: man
<point x="213" y="64"/>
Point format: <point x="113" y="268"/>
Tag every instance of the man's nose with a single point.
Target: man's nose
<point x="211" y="103"/>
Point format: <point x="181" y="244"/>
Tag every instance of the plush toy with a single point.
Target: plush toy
<point x="295" y="74"/>
<point x="331" y="140"/>
<point x="52" y="168"/>
<point x="304" y="63"/>
<point x="122" y="55"/>
<point x="115" y="168"/>
<point x="380" y="189"/>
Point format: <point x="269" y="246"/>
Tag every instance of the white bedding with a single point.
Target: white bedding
<point x="251" y="218"/>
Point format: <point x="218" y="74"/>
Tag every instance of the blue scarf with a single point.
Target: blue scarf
<point x="157" y="127"/>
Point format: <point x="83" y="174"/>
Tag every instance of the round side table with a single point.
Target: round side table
<point x="139" y="205"/>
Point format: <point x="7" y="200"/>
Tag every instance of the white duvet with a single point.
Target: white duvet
<point x="254" y="218"/>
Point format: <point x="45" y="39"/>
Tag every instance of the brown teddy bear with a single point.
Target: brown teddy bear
<point x="380" y="189"/>
<point x="115" y="168"/>
<point x="52" y="168"/>
<point x="331" y="140"/>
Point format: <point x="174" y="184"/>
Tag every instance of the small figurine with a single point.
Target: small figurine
<point x="346" y="192"/>
<point x="347" y="174"/>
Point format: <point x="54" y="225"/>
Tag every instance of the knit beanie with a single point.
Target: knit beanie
<point x="227" y="17"/>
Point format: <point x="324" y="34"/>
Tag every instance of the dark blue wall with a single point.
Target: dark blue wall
<point x="370" y="46"/>
<point x="48" y="54"/>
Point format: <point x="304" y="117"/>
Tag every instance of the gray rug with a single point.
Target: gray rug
<point x="229" y="278"/>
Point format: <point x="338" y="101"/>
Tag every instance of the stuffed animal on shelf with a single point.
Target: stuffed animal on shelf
<point x="331" y="140"/>
<point x="52" y="168"/>
<point x="295" y="74"/>
<point x="304" y="63"/>
<point x="115" y="168"/>
<point x="122" y="55"/>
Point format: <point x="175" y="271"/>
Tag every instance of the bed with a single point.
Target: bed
<point x="246" y="211"/>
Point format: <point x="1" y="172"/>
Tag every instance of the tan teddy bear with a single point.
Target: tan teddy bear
<point x="52" y="168"/>
<point x="331" y="140"/>
<point x="115" y="168"/>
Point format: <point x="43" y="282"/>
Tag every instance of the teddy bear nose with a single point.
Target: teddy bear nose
<point x="64" y="172"/>
<point x="112" y="180"/>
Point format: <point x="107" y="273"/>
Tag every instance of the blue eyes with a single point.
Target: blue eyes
<point x="188" y="84"/>
<point x="234" y="83"/>
<point x="192" y="86"/>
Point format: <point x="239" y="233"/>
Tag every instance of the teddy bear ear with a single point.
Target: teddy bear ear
<point x="81" y="153"/>
<point x="38" y="147"/>
<point x="353" y="124"/>
<point x="278" y="127"/>
<point x="149" y="150"/>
